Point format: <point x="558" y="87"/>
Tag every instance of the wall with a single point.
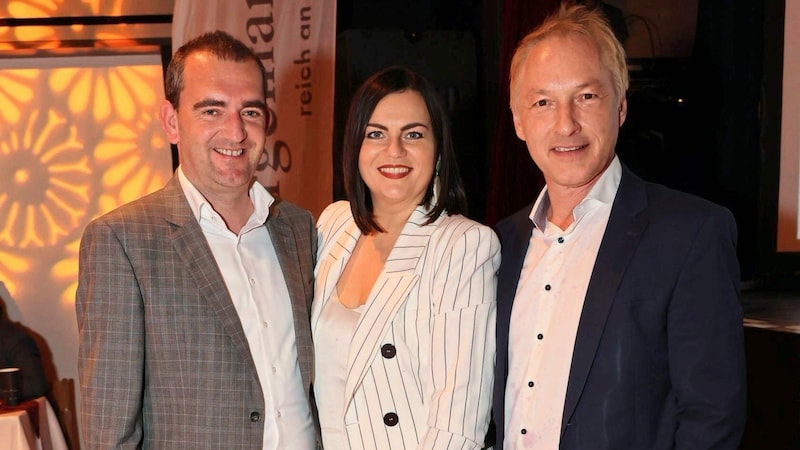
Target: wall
<point x="658" y="28"/>
<point x="78" y="136"/>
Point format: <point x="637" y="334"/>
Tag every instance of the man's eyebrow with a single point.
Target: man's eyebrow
<point x="255" y="104"/>
<point x="208" y="102"/>
<point x="591" y="83"/>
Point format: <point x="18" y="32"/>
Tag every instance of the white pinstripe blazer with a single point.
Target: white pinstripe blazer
<point x="420" y="365"/>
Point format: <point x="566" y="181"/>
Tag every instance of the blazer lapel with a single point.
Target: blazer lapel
<point x="190" y="243"/>
<point x="400" y="273"/>
<point x="624" y="229"/>
<point x="330" y="268"/>
<point x="285" y="246"/>
<point x="515" y="234"/>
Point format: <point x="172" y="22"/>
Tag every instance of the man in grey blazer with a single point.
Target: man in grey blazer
<point x="193" y="302"/>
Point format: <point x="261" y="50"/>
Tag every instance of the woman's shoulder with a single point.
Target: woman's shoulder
<point x="333" y="220"/>
<point x="457" y="225"/>
<point x="335" y="213"/>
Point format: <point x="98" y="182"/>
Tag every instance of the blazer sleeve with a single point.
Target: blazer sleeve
<point x="706" y="343"/>
<point x="111" y="342"/>
<point x="463" y="338"/>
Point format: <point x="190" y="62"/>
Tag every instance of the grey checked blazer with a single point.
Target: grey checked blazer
<point x="163" y="360"/>
<point x="421" y="362"/>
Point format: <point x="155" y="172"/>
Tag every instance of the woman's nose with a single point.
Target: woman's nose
<point x="396" y="148"/>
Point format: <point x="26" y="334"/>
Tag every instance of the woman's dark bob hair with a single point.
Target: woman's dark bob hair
<point x="451" y="196"/>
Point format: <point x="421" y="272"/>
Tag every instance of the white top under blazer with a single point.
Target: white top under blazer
<point x="420" y="366"/>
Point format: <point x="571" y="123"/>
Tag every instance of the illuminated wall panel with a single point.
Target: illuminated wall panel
<point x="79" y="136"/>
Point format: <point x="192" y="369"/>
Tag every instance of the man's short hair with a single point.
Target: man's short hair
<point x="573" y="18"/>
<point x="218" y="43"/>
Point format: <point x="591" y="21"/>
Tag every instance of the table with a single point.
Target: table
<point x="18" y="428"/>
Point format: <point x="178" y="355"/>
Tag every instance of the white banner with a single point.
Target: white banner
<point x="295" y="40"/>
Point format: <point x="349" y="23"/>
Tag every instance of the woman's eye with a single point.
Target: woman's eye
<point x="414" y="135"/>
<point x="374" y="134"/>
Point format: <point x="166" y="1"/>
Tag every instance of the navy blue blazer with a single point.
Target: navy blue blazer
<point x="659" y="353"/>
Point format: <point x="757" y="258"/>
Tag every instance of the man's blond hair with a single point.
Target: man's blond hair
<point x="572" y="18"/>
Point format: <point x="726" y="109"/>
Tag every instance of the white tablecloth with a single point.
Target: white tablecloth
<point x="16" y="430"/>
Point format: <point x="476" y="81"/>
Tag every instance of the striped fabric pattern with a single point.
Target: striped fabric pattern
<point x="434" y="305"/>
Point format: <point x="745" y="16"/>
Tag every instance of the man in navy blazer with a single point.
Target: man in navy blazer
<point x="619" y="324"/>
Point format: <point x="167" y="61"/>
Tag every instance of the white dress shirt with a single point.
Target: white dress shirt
<point x="249" y="265"/>
<point x="331" y="344"/>
<point x="547" y="308"/>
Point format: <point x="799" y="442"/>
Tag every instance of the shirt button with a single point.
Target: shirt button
<point x="278" y="414"/>
<point x="561" y="240"/>
<point x="253" y="281"/>
<point x="266" y="325"/>
<point x="540" y="336"/>
<point x="390" y="419"/>
<point x="524" y="431"/>
<point x="530" y="383"/>
<point x="255" y="416"/>
<point x="388" y="351"/>
<point x="547" y="287"/>
<point x="275" y="369"/>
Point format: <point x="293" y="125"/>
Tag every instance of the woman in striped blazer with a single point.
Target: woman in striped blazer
<point x="404" y="306"/>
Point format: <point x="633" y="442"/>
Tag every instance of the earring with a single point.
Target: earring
<point x="436" y="186"/>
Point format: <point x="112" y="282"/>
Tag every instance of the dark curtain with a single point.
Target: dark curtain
<point x="514" y="180"/>
<point x="729" y="50"/>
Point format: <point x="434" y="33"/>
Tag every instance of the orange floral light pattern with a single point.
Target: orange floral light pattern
<point x="72" y="161"/>
<point x="129" y="176"/>
<point x="12" y="266"/>
<point x="91" y="89"/>
<point x="47" y="191"/>
<point x="66" y="271"/>
<point x="15" y="92"/>
<point x="33" y="9"/>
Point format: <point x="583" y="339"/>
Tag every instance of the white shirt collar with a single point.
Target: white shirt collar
<point x="604" y="191"/>
<point x="259" y="195"/>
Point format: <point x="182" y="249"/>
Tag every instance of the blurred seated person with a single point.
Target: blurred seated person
<point x="18" y="349"/>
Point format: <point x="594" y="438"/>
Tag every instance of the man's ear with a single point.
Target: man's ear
<point x="169" y="122"/>
<point x="518" y="125"/>
<point x="623" y="110"/>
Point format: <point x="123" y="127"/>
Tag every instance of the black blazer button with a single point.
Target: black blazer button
<point x="255" y="416"/>
<point x="388" y="351"/>
<point x="390" y="419"/>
